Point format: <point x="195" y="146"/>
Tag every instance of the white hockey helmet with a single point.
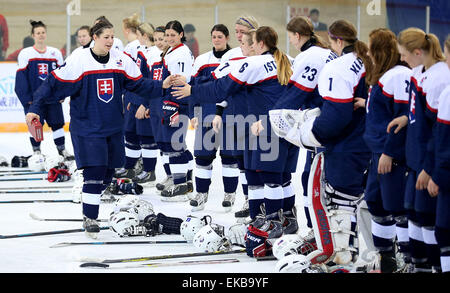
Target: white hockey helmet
<point x="211" y="238"/>
<point x="53" y="162"/>
<point x="121" y="221"/>
<point x="36" y="162"/>
<point x="125" y="202"/>
<point x="287" y="244"/>
<point x="192" y="225"/>
<point x="293" y="263"/>
<point x="143" y="208"/>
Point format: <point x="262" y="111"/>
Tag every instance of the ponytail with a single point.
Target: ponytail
<point x="270" y="38"/>
<point x="304" y="27"/>
<point x="415" y="38"/>
<point x="361" y="51"/>
<point x="284" y="69"/>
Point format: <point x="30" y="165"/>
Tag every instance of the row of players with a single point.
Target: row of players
<point x="338" y="132"/>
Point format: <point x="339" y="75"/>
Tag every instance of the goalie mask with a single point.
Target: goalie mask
<point x="211" y="239"/>
<point x="192" y="225"/>
<point x="122" y="221"/>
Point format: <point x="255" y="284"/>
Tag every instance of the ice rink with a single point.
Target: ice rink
<point x="34" y="255"/>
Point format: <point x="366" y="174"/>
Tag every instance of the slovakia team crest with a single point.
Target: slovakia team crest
<point x="105" y="89"/>
<point x="42" y="70"/>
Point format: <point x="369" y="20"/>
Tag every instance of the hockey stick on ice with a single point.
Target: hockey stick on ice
<point x="56" y="186"/>
<point x="45" y="233"/>
<point x="21" y="179"/>
<point x="64" y="244"/>
<point x="37" y="218"/>
<point x="166" y="264"/>
<point x="38" y="201"/>
<point x="157" y="257"/>
<point x="22" y="173"/>
<point x="31" y="191"/>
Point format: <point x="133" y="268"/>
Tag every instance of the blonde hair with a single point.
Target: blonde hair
<point x="250" y="35"/>
<point x="146" y="29"/>
<point x="447" y="43"/>
<point x="248" y="21"/>
<point x="269" y="37"/>
<point x="415" y="38"/>
<point x="132" y="22"/>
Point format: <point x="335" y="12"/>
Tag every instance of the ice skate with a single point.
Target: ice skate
<point x="91" y="227"/>
<point x="145" y="178"/>
<point x="199" y="201"/>
<point x="167" y="182"/>
<point x="290" y="225"/>
<point x="243" y="215"/>
<point x="176" y="192"/>
<point x="66" y="155"/>
<point x="228" y="201"/>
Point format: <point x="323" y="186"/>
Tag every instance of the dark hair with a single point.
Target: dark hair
<point x="98" y="28"/>
<point x="221" y="28"/>
<point x="176" y="26"/>
<point x="346" y="31"/>
<point x="101" y="18"/>
<point x="83" y="28"/>
<point x="314" y="11"/>
<point x="35" y="24"/>
<point x="160" y="29"/>
<point x="27" y="42"/>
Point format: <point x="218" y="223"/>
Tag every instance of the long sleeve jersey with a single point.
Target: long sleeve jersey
<point x="34" y="68"/>
<point x="387" y="100"/>
<point x="96" y="91"/>
<point x="339" y="128"/>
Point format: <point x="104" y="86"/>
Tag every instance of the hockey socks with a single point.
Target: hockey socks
<point x="230" y="174"/>
<point x="132" y="149"/>
<point x="92" y="189"/>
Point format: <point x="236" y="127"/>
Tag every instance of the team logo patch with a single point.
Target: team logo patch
<point x="412" y="109"/>
<point x="105" y="89"/>
<point x="42" y="70"/>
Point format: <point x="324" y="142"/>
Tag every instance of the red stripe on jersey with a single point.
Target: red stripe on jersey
<point x="96" y="72"/>
<point x="235" y="79"/>
<point x="206" y="66"/>
<point x="384" y="93"/>
<point x="266" y="79"/>
<point x="431" y="108"/>
<point x="401" y="101"/>
<point x="302" y="87"/>
<point x="419" y="89"/>
<point x="447" y="122"/>
<point x="342" y="101"/>
<point x="237" y="58"/>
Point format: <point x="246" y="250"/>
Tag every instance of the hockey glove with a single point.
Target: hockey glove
<point x="126" y="188"/>
<point x="161" y="224"/>
<point x="256" y="243"/>
<point x="19" y="161"/>
<point x="58" y="175"/>
<point x="170" y="115"/>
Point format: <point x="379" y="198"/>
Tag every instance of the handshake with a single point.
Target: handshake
<point x="181" y="88"/>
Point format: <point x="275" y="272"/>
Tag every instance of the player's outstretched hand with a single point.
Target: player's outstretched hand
<point x="181" y="92"/>
<point x="178" y="80"/>
<point x="30" y="117"/>
<point x="194" y="122"/>
<point x="422" y="180"/>
<point x="140" y="112"/>
<point x="217" y="123"/>
<point x="359" y="103"/>
<point x="399" y="122"/>
<point x="257" y="128"/>
<point x="384" y="164"/>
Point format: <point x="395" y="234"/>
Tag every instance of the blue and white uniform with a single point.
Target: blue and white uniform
<point x="303" y="93"/>
<point x="426" y="87"/>
<point x="441" y="174"/>
<point x="265" y="164"/>
<point x="384" y="193"/>
<point x="34" y="68"/>
<point x="174" y="115"/>
<point x="95" y="85"/>
<point x="339" y="128"/>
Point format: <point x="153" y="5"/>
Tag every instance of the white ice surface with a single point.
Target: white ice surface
<point x="34" y="255"/>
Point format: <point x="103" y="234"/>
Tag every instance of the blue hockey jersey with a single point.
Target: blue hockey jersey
<point x="96" y="91"/>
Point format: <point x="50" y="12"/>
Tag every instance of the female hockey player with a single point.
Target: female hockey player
<point x="267" y="75"/>
<point x="336" y="180"/>
<point x="303" y="94"/>
<point x="176" y="60"/>
<point x="439" y="184"/>
<point x="206" y="142"/>
<point x="83" y="36"/>
<point x="429" y="77"/>
<point x="384" y="193"/>
<point x="118" y="45"/>
<point x="243" y="25"/>
<point x="35" y="64"/>
<point x="95" y="79"/>
<point x="132" y="144"/>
